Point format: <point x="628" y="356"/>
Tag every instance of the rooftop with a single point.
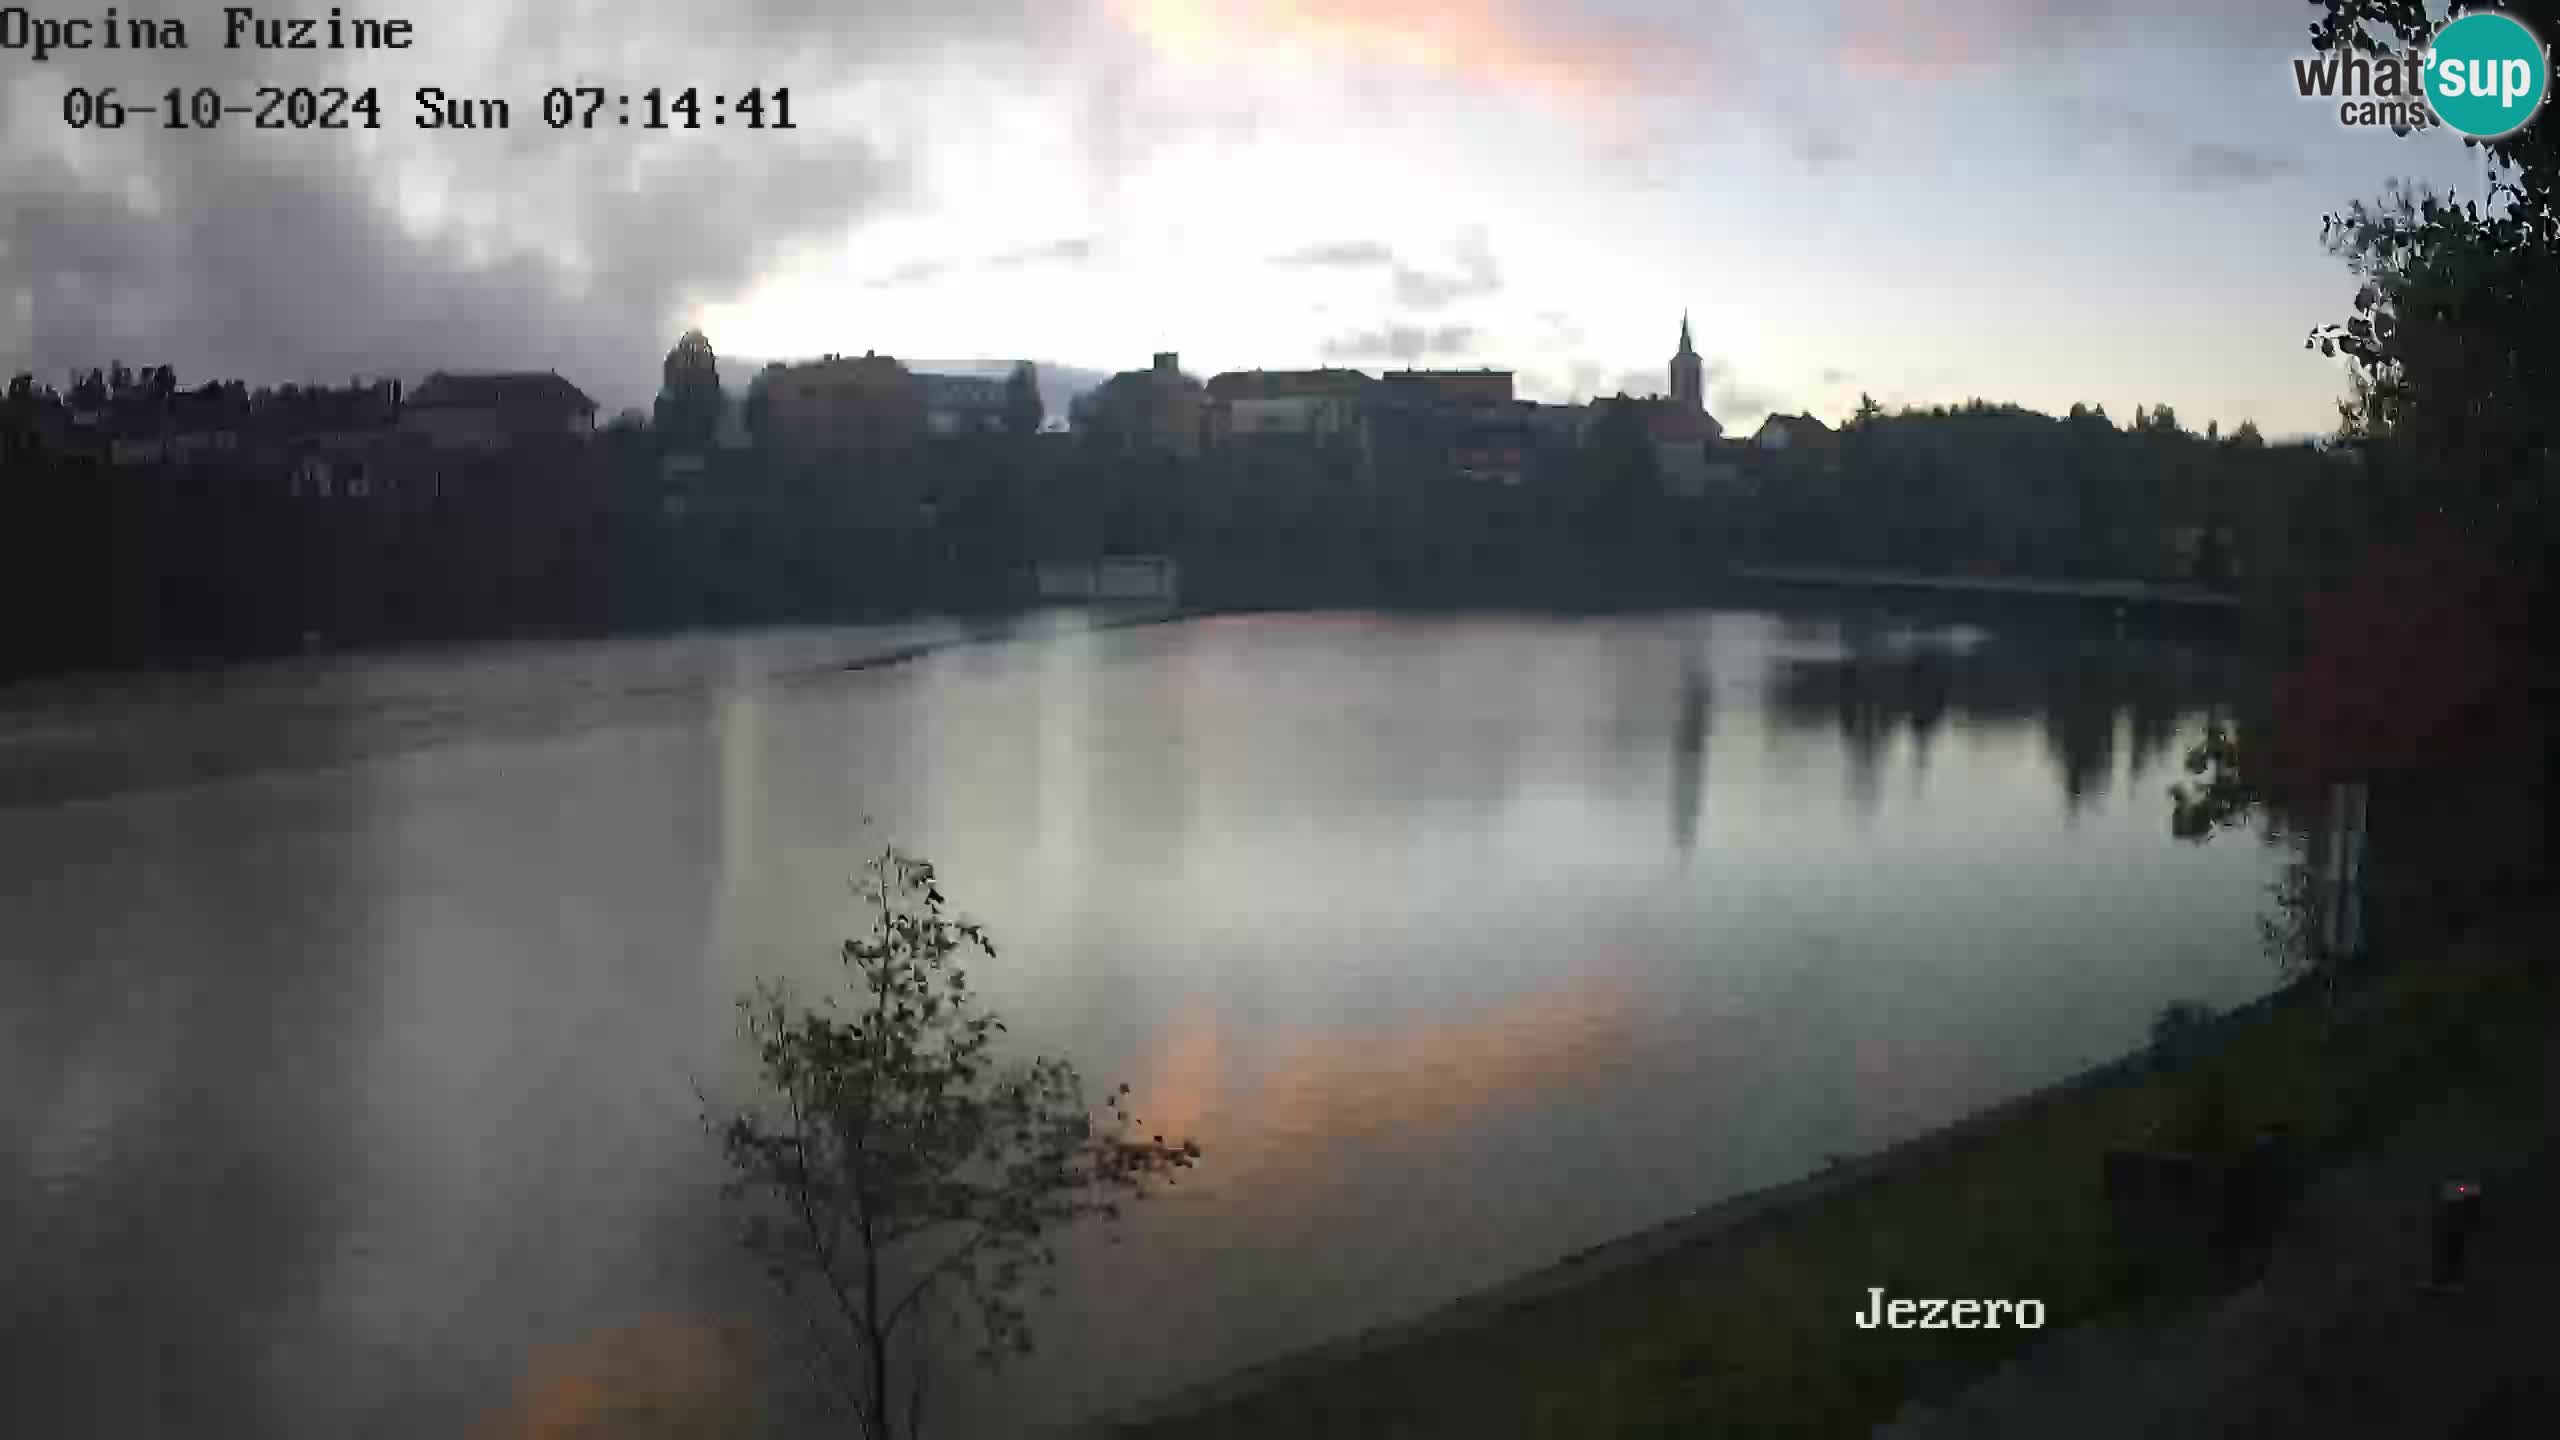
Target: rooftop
<point x="506" y="388"/>
<point x="1260" y="384"/>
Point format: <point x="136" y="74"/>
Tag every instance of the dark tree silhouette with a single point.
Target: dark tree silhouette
<point x="2429" y="674"/>
<point x="689" y="398"/>
<point x="1022" y="410"/>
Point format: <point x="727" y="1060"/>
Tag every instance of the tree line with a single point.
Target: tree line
<point x="2428" y="674"/>
<point x="649" y="527"/>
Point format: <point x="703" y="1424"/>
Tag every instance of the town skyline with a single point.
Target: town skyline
<point x="2036" y="201"/>
<point x="1683" y="381"/>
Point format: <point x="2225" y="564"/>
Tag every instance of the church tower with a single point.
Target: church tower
<point x="1688" y="373"/>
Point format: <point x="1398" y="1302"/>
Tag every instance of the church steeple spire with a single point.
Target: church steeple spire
<point x="1688" y="373"/>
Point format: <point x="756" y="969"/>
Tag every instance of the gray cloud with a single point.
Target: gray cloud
<point x="1126" y="109"/>
<point x="1477" y="275"/>
<point x="1833" y="375"/>
<point x="1056" y="252"/>
<point x="273" y="255"/>
<point x="1942" y="41"/>
<point x="1729" y="401"/>
<point x="1650" y="161"/>
<point x="2194" y="164"/>
<point x="1343" y="255"/>
<point x="916" y="272"/>
<point x="2211" y="165"/>
<point x="1820" y="148"/>
<point x="1729" y="397"/>
<point x="1531" y="383"/>
<point x="1414" y="286"/>
<point x="1401" y="343"/>
<point x="2080" y="118"/>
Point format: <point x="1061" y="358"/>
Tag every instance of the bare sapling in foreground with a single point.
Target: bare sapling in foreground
<point x="898" y="1179"/>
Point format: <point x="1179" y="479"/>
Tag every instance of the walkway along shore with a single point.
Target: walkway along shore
<point x="2124" y="592"/>
<point x="1728" y="1224"/>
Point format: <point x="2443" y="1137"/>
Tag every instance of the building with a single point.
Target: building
<point x="1682" y="417"/>
<point x="1450" y="386"/>
<point x="962" y="404"/>
<point x="1310" y="404"/>
<point x="1494" y="449"/>
<point x="732" y="432"/>
<point x="1259" y="384"/>
<point x="840" y="405"/>
<point x="1688" y="441"/>
<point x="1782" y="432"/>
<point x="1558" y="426"/>
<point x="1467" y="423"/>
<point x="1692" y="471"/>
<point x="349" y="421"/>
<point x="332" y="442"/>
<point x="1688" y="374"/>
<point x="496" y="411"/>
<point x="209" y="422"/>
<point x="1158" y="410"/>
<point x="1669" y="424"/>
<point x="1799" y="440"/>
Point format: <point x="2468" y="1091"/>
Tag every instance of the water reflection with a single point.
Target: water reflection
<point x="663" y="1376"/>
<point x="1337" y="1088"/>
<point x="2081" y="695"/>
<point x="1689" y="757"/>
<point x="177" y="1063"/>
<point x="358" y="1100"/>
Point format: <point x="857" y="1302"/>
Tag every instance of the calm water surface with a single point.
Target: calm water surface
<point x="350" y="1091"/>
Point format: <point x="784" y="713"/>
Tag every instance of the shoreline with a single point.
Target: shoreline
<point x="94" y="744"/>
<point x="1743" y="587"/>
<point x="1735" y="1219"/>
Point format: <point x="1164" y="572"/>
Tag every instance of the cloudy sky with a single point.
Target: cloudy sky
<point x="2038" y="200"/>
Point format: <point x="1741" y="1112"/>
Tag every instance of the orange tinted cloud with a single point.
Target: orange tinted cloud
<point x="1916" y="42"/>
<point x="1939" y="39"/>
<point x="1541" y="51"/>
<point x="1561" y="52"/>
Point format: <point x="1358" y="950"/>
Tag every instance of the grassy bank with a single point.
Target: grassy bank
<point x="1747" y="1330"/>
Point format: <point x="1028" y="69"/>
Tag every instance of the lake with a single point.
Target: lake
<point x="353" y="1009"/>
